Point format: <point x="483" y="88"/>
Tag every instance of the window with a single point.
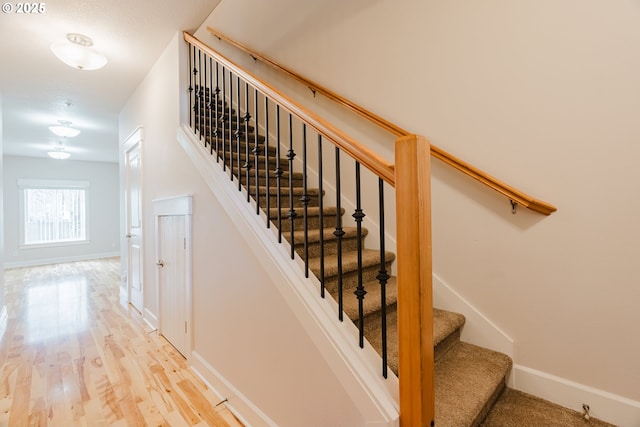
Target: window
<point x="53" y="212"/>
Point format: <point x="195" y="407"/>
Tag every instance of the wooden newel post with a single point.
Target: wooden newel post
<point x="415" y="300"/>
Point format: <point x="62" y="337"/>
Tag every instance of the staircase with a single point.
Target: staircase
<point x="470" y="381"/>
<point x="468" y="378"/>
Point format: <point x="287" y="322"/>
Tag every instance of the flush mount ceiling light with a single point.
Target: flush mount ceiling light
<point x="58" y="153"/>
<point x="78" y="53"/>
<point x="64" y="129"/>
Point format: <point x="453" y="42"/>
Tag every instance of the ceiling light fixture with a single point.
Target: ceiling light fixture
<point x="78" y="53"/>
<point x="64" y="129"/>
<point x="58" y="153"/>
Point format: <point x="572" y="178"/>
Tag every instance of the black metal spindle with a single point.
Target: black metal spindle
<point x="191" y="97"/>
<point x="238" y="134"/>
<point x="213" y="99"/>
<point x="256" y="151"/>
<point x="383" y="278"/>
<point x="292" y="212"/>
<point x="339" y="232"/>
<point x="305" y="200"/>
<point x="205" y="109"/>
<point x="267" y="170"/>
<point x="214" y="124"/>
<point x="278" y="173"/>
<point x="231" y="125"/>
<point x="223" y="120"/>
<point x="321" y="215"/>
<point x="200" y="100"/>
<point x="360" y="292"/>
<point x="247" y="162"/>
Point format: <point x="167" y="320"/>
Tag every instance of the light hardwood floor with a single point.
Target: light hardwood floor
<point x="73" y="355"/>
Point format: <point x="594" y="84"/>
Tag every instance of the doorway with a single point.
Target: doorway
<point x="173" y="261"/>
<point x="132" y="152"/>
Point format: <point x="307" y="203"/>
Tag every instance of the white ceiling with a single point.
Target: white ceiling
<point x="36" y="87"/>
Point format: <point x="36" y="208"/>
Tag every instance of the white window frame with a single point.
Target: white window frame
<point x="53" y="184"/>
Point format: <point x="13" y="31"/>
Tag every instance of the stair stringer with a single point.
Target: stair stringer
<point x="358" y="369"/>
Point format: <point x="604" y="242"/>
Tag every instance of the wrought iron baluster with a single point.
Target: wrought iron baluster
<point x="278" y="173"/>
<point x="267" y="170"/>
<point x="230" y="118"/>
<point x="214" y="124"/>
<point x="247" y="162"/>
<point x="292" y="212"/>
<point x="223" y="119"/>
<point x="238" y="135"/>
<point x="192" y="104"/>
<point x="321" y="215"/>
<point x="305" y="200"/>
<point x="383" y="278"/>
<point x="212" y="101"/>
<point x="360" y="292"/>
<point x="200" y="100"/>
<point x="339" y="232"/>
<point x="204" y="112"/>
<point x="256" y="151"/>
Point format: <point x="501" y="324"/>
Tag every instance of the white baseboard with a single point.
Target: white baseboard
<point x="248" y="413"/>
<point x="150" y="319"/>
<point x="603" y="405"/>
<point x="4" y="318"/>
<point x="60" y="260"/>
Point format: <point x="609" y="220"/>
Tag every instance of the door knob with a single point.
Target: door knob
<point x="128" y="235"/>
<point x="160" y="263"/>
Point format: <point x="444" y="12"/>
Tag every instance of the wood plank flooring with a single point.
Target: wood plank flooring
<point x="73" y="355"/>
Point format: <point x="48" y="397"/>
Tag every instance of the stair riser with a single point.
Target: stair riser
<point x="313" y="222"/>
<point x="206" y="126"/>
<point x="284" y="203"/>
<point x="446" y="344"/>
<point x="330" y="248"/>
<point x="373" y="321"/>
<point x="262" y="181"/>
<point x="284" y="164"/>
<point x="350" y="278"/>
<point x="205" y="107"/>
<point x="243" y="145"/>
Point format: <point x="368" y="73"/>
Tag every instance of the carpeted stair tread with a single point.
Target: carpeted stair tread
<point x="223" y="153"/>
<point x="372" y="300"/>
<point x="329" y="244"/>
<point x="370" y="258"/>
<point x="313" y="236"/>
<point x="468" y="379"/>
<point x="296" y="177"/>
<point x="445" y="325"/>
<point x="516" y="409"/>
<point x="311" y="211"/>
<point x="284" y="191"/>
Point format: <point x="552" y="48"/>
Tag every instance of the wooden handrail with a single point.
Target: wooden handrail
<point x="512" y="193"/>
<point x="349" y="145"/>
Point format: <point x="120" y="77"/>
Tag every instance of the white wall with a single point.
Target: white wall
<point x="243" y="328"/>
<point x="3" y="312"/>
<point x="102" y="213"/>
<point x="541" y="94"/>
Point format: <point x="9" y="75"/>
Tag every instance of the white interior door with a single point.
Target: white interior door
<point x="133" y="202"/>
<point x="172" y="279"/>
